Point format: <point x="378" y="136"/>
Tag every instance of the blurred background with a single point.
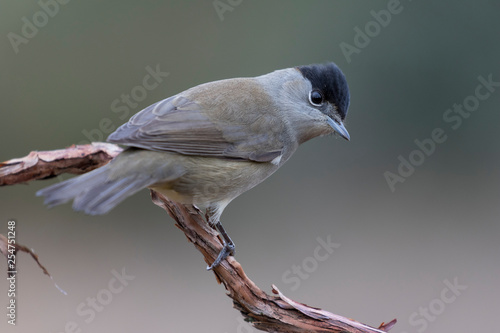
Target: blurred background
<point x="422" y="247"/>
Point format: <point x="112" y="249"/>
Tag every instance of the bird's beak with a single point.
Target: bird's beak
<point x="339" y="128"/>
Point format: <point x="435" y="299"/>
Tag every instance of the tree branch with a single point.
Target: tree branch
<point x="47" y="164"/>
<point x="271" y="313"/>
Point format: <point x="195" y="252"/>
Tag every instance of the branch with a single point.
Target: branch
<point x="271" y="313"/>
<point x="48" y="164"/>
<point x="8" y="248"/>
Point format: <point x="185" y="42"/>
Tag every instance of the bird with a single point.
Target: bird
<point x="207" y="145"/>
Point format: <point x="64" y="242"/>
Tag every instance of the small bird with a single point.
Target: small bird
<point x="207" y="145"/>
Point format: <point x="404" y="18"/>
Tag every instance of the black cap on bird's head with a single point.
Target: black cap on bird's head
<point x="329" y="81"/>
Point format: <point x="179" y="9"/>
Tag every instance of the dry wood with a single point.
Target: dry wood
<point x="46" y="164"/>
<point x="271" y="313"/>
<point x="5" y="250"/>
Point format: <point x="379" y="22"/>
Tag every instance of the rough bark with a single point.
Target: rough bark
<point x="47" y="164"/>
<point x="270" y="313"/>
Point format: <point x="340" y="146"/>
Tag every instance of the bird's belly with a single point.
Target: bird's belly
<point x="172" y="194"/>
<point x="210" y="180"/>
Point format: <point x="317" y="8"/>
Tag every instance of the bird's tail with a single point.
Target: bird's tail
<point x="100" y="190"/>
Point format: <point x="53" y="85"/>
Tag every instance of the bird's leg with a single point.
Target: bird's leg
<point x="228" y="245"/>
<point x="227" y="249"/>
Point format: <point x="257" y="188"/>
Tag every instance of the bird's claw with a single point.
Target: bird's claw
<point x="227" y="250"/>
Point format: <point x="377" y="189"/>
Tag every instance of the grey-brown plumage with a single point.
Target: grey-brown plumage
<point x="207" y="145"/>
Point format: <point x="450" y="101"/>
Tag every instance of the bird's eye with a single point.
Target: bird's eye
<point x="315" y="97"/>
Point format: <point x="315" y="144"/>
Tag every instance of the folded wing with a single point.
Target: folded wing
<point x="180" y="125"/>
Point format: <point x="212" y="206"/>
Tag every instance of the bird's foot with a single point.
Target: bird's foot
<point x="227" y="250"/>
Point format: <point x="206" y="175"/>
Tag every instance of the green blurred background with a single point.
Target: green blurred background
<point x="396" y="248"/>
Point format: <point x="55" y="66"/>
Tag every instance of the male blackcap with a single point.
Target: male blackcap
<point x="209" y="144"/>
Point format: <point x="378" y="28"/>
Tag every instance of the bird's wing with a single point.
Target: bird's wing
<point x="180" y="125"/>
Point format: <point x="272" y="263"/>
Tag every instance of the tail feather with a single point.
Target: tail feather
<point x="65" y="191"/>
<point x="106" y="201"/>
<point x="94" y="193"/>
<point x="101" y="199"/>
<point x="100" y="190"/>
